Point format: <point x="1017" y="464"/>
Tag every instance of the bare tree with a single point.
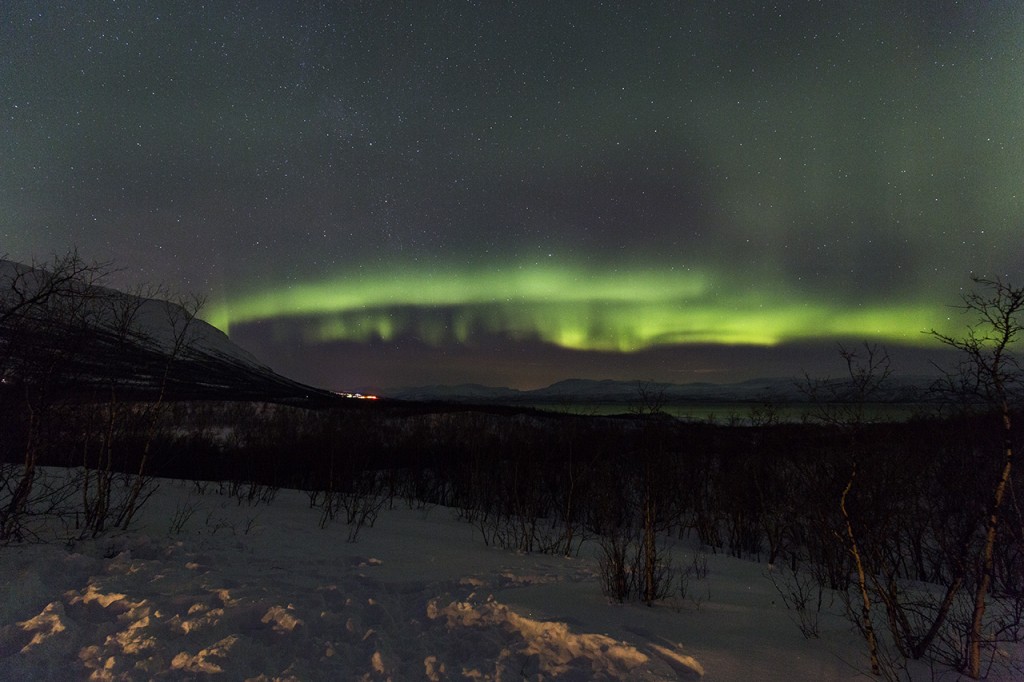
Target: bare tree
<point x="650" y="399"/>
<point x="45" y="312"/>
<point x="842" y="405"/>
<point x="82" y="369"/>
<point x="991" y="372"/>
<point x="118" y="315"/>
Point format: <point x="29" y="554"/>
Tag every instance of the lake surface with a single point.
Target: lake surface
<point x="745" y="413"/>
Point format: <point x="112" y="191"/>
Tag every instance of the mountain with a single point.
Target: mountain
<point x="458" y="393"/>
<point x="59" y="328"/>
<point x="779" y="389"/>
<point x="599" y="391"/>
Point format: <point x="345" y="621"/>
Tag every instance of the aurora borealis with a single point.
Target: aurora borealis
<point x="606" y="312"/>
<point x="515" y="193"/>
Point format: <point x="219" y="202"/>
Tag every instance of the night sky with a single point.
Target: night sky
<point x="373" y="193"/>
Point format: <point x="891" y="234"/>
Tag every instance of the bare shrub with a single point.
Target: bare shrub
<point x="801" y="593"/>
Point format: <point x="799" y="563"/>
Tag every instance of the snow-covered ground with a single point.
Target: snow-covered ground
<point x="262" y="592"/>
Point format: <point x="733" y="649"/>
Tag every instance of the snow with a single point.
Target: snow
<point x="156" y="319"/>
<point x="262" y="593"/>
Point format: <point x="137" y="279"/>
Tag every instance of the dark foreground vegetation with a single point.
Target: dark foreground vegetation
<point x="916" y="527"/>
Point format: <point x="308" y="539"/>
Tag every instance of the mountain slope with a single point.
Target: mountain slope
<point x="59" y="328"/>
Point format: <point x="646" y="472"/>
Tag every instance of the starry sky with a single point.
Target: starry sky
<point x="513" y="193"/>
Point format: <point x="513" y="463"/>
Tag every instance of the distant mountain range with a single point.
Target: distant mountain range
<point x="578" y="391"/>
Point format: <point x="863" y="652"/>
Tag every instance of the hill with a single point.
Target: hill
<point x="62" y="328"/>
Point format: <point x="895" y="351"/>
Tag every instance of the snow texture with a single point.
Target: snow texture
<point x="262" y="593"/>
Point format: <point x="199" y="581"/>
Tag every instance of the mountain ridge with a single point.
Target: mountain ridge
<point x="909" y="388"/>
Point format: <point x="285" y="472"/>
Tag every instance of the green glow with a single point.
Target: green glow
<point x="622" y="311"/>
<point x="432" y="288"/>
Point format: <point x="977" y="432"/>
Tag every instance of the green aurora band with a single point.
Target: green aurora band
<point x="623" y="311"/>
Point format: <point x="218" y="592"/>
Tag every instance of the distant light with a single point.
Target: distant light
<point x="356" y="396"/>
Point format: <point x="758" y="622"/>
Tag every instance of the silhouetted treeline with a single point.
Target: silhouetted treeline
<point x="760" y="491"/>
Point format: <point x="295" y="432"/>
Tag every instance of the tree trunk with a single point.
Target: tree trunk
<point x="975" y="636"/>
<point x="867" y="627"/>
<point x="650" y="553"/>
